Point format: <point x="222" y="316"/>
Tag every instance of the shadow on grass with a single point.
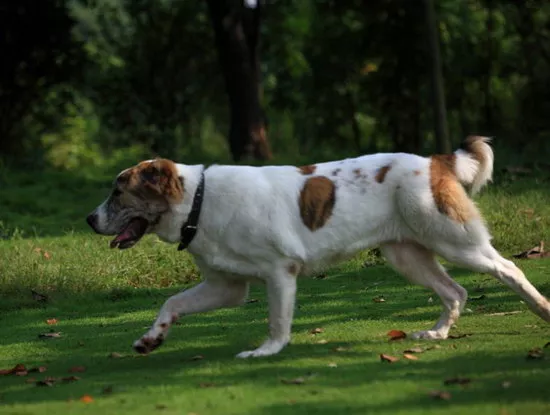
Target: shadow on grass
<point x="103" y="323"/>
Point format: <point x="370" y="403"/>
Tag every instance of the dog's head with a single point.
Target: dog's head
<point x="141" y="195"/>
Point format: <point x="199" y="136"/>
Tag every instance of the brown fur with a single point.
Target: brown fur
<point x="316" y="201"/>
<point x="158" y="177"/>
<point x="306" y="170"/>
<point x="293" y="269"/>
<point x="449" y="195"/>
<point x="381" y="175"/>
<point x="474" y="145"/>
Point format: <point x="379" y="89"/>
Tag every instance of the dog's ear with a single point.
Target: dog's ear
<point x="153" y="179"/>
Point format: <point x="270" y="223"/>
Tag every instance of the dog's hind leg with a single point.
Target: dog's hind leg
<point x="419" y="265"/>
<point x="484" y="258"/>
<point x="211" y="294"/>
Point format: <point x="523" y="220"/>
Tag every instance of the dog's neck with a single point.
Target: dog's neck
<point x="169" y="227"/>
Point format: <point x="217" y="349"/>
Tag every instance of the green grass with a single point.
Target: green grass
<point x="104" y="299"/>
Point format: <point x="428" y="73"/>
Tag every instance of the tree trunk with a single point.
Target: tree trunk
<point x="443" y="144"/>
<point x="237" y="39"/>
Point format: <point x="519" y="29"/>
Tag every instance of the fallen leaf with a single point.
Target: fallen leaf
<point x="388" y="358"/>
<point x="457" y="381"/>
<point x="459" y="336"/>
<point x="534" y="253"/>
<point x="47" y="255"/>
<point x="86" y="399"/>
<point x="397" y="335"/>
<point x="414" y="350"/>
<point x="18" y="368"/>
<point x="410" y="356"/>
<point x="296" y="381"/>
<point x="49" y="381"/>
<point x="51" y="321"/>
<point x="535" y="354"/>
<point x="379" y="299"/>
<point x="70" y="379"/>
<point x="115" y="355"/>
<point x="77" y="369"/>
<point x="51" y="335"/>
<point x="443" y="395"/>
<point x="21" y="373"/>
<point x="197" y="357"/>
<point x="317" y="330"/>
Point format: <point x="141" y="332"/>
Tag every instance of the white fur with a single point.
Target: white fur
<point x="250" y="228"/>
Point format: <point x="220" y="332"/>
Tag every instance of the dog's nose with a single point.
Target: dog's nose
<point x="92" y="220"/>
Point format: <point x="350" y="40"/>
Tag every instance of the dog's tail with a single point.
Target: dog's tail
<point x="474" y="163"/>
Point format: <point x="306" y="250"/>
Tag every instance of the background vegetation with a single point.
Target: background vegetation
<point x="94" y="82"/>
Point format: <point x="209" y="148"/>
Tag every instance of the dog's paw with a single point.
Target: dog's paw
<point x="269" y="348"/>
<point x="146" y="345"/>
<point x="428" y="335"/>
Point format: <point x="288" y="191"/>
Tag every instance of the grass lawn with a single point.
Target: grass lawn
<point x="104" y="299"/>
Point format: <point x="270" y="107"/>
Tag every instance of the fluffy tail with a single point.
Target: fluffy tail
<point x="474" y="163"/>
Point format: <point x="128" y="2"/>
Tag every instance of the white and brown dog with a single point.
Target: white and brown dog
<point x="276" y="223"/>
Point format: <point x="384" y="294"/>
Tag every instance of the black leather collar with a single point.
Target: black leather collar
<point x="189" y="228"/>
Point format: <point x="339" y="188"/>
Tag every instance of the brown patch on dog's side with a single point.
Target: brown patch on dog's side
<point x="449" y="195"/>
<point x="174" y="318"/>
<point x="316" y="201"/>
<point x="309" y="169"/>
<point x="381" y="174"/>
<point x="336" y="171"/>
<point x="474" y="145"/>
<point x="163" y="325"/>
<point x="158" y="177"/>
<point x="417" y="172"/>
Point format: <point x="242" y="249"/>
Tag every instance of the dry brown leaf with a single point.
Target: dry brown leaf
<point x="49" y="381"/>
<point x="51" y="335"/>
<point x="77" y="369"/>
<point x="396" y="335"/>
<point x="19" y="368"/>
<point x="388" y="358"/>
<point x="86" y="399"/>
<point x="443" y="395"/>
<point x="415" y="350"/>
<point x="115" y="355"/>
<point x="534" y="253"/>
<point x="535" y="354"/>
<point x="317" y="330"/>
<point x="296" y="381"/>
<point x="457" y="381"/>
<point x="51" y="321"/>
<point x="21" y="373"/>
<point x="379" y="299"/>
<point x="47" y="255"/>
<point x="410" y="356"/>
<point x="197" y="357"/>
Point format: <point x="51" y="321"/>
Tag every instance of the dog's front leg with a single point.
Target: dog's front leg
<point x="208" y="295"/>
<point x="281" y="292"/>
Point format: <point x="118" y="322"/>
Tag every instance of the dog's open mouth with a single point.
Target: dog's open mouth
<point x="131" y="234"/>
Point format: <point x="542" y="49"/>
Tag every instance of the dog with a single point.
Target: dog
<point x="276" y="223"/>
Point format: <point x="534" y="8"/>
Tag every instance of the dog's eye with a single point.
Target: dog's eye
<point x="117" y="192"/>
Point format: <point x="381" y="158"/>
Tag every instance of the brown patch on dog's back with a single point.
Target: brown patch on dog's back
<point x="316" y="201"/>
<point x="449" y="195"/>
<point x="381" y="175"/>
<point x="309" y="169"/>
